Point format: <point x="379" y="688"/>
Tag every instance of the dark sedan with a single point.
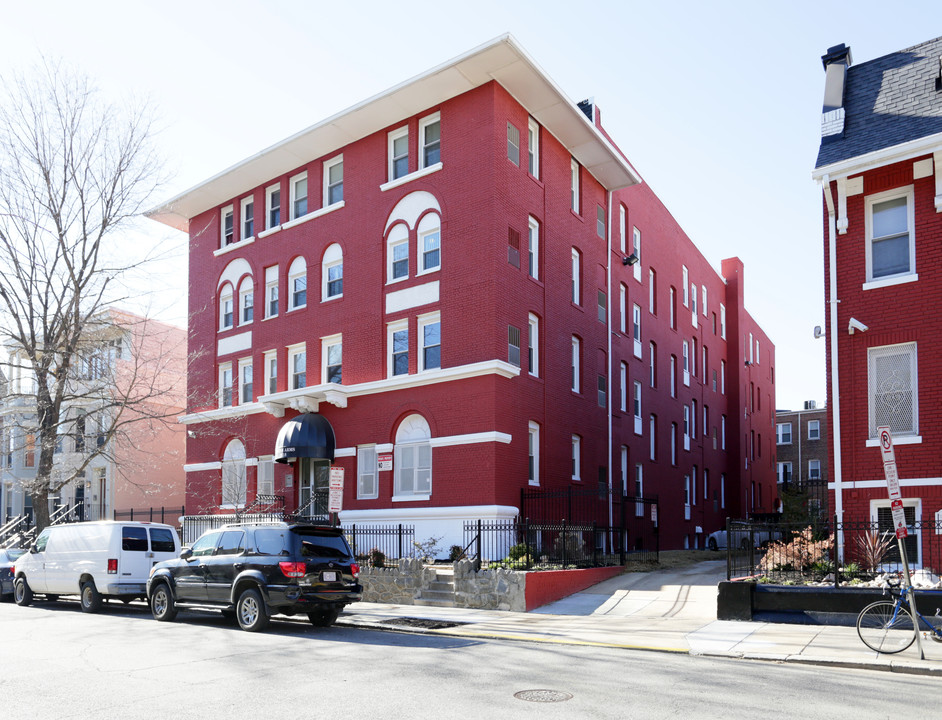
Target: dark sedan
<point x="8" y="556"/>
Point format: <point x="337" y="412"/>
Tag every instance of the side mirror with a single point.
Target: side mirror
<point x="186" y="554"/>
<point x="33" y="550"/>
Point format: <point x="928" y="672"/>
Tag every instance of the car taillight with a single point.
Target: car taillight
<point x="355" y="570"/>
<point x="112" y="566"/>
<point x="292" y="569"/>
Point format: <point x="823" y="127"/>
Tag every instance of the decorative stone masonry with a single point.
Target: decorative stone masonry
<point x="499" y="589"/>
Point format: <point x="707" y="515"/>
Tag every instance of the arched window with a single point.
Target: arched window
<point x="246" y="301"/>
<point x="397" y="253"/>
<point x="429" y="243"/>
<point x="225" y="307"/>
<point x="413" y="458"/>
<point x="233" y="474"/>
<point x="297" y="284"/>
<point x="332" y="273"/>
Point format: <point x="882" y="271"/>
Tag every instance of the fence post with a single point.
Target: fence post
<point x="353" y="534"/>
<point x="595" y="545"/>
<point x="400" y="542"/>
<point x="477" y="564"/>
<point x="624" y="530"/>
<point x="132" y="513"/>
<point x="837" y="565"/>
<point x="563" y="535"/>
<point x="526" y="540"/>
<point x="729" y="549"/>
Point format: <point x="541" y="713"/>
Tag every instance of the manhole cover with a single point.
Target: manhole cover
<point x="543" y="695"/>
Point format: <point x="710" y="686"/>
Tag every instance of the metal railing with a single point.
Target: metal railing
<point x="380" y="545"/>
<point x="166" y="515"/>
<point x="527" y="545"/>
<point x="828" y="551"/>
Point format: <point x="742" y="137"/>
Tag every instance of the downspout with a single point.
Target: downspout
<point x="611" y="381"/>
<point x="835" y="382"/>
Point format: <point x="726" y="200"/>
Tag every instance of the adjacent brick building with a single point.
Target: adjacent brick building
<point x="469" y="282"/>
<point x="802" y="451"/>
<point x="880" y="167"/>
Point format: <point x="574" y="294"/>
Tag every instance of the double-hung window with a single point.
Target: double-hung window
<point x="636" y="240"/>
<point x="533" y="346"/>
<point x="430" y="332"/>
<point x="576" y="277"/>
<point x="273" y="206"/>
<point x="430" y="141"/>
<point x="576" y="458"/>
<point x="533" y="453"/>
<point x="332" y="273"/>
<point x="636" y="329"/>
<point x="271" y="291"/>
<point x="397" y="252"/>
<point x="574" y="185"/>
<point x="271" y="371"/>
<point x="227" y="228"/>
<point x="513" y="144"/>
<point x="367" y="486"/>
<point x="297" y="283"/>
<point x="513" y="345"/>
<point x="890" y="247"/>
<point x="398" y="344"/>
<point x="297" y="364"/>
<point x="783" y="434"/>
<point x="332" y="359"/>
<point x="299" y="195"/>
<point x="247" y="215"/>
<point x="533" y="147"/>
<point x="399" y="153"/>
<point x="225" y="386"/>
<point x="246" y="301"/>
<point x="533" y="246"/>
<point x="246" y="387"/>
<point x="814" y="429"/>
<point x="333" y="181"/>
<point x="225" y="308"/>
<point x="893" y="389"/>
<point x="576" y="364"/>
<point x="430" y="241"/>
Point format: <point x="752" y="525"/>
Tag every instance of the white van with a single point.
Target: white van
<point x="93" y="560"/>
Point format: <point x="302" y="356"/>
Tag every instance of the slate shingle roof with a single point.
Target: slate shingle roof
<point x="888" y="101"/>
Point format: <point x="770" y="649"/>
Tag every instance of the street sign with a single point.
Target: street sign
<point x="889" y="462"/>
<point x="654" y="514"/>
<point x="899" y="518"/>
<point x="384" y="461"/>
<point x="335" y="493"/>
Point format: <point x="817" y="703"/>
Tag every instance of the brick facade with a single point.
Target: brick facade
<point x="479" y="406"/>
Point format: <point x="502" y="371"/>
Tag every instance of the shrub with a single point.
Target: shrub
<point x="376" y="558"/>
<point x="873" y="547"/>
<point x="456" y="553"/>
<point x="801" y="552"/>
<point x="426" y="551"/>
<point x="517" y="551"/>
<point x="570" y="541"/>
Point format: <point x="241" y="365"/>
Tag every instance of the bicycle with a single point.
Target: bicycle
<point x="888" y="627"/>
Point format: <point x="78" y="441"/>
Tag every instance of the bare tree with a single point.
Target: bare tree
<point x="75" y="171"/>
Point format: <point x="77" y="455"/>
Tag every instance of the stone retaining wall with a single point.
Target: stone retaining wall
<point x="396" y="585"/>
<point x="499" y="589"/>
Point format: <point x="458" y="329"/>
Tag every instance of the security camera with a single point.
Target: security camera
<point x="818" y="332"/>
<point x="855" y="324"/>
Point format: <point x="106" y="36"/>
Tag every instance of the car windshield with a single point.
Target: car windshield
<point x="11" y="555"/>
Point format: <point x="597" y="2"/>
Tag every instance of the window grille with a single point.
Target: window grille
<point x="892" y="389"/>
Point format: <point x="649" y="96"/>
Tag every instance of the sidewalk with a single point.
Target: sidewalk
<point x="665" y="611"/>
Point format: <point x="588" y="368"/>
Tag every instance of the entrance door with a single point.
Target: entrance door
<point x="313" y="486"/>
<point x="80" y="500"/>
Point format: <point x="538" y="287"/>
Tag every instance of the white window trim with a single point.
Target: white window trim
<point x="390" y="140"/>
<point x="686" y="285"/>
<point x="326" y="267"/>
<point x="575" y="365"/>
<point x="223" y="369"/>
<point x="420" y="247"/>
<point x="391" y="329"/>
<point x="423" y="321"/>
<point x="410" y="177"/>
<point x="819" y="429"/>
<point x="227" y="294"/>
<point x="722" y="321"/>
<point x="533" y="436"/>
<point x="622" y="229"/>
<point x="636" y="329"/>
<point x="243" y="293"/>
<point x="228" y="210"/>
<point x="872" y="200"/>
<point x="327" y="342"/>
<point x="533" y="343"/>
<point x="245" y="363"/>
<point x="872" y="353"/>
<point x="576" y="458"/>
<point x="267" y="357"/>
<point x="291" y="278"/>
<point x="576" y="277"/>
<point x="394" y="240"/>
<point x="269" y="191"/>
<point x="623" y="308"/>
<point x="293" y="351"/>
<point x="328" y="165"/>
<point x="636" y="248"/>
<point x="533" y="146"/>
<point x="292" y="191"/>
<point x="245" y="202"/>
<point x="423" y="123"/>
<point x="575" y="198"/>
<point x="533" y="247"/>
<point x="639" y="428"/>
<point x="373" y="471"/>
<point x="703" y="291"/>
<point x="624" y="388"/>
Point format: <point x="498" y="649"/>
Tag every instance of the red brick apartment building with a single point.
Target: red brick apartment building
<point x="456" y="290"/>
<point x="880" y="167"/>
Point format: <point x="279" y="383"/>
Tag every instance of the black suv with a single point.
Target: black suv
<point x="251" y="571"/>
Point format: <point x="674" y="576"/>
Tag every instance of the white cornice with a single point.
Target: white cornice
<point x="878" y="158"/>
<point x="502" y="60"/>
<point x="309" y="398"/>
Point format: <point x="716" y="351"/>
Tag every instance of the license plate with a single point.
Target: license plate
<point x="329" y="576"/>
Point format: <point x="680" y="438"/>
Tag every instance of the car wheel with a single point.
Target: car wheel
<point x="91" y="598"/>
<point x="162" y="606"/>
<point x="22" y="594"/>
<point x="324" y="617"/>
<point x="250" y="611"/>
<point x="711" y="543"/>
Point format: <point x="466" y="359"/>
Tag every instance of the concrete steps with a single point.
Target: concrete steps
<point x="440" y="592"/>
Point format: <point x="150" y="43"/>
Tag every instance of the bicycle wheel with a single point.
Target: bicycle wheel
<point x="886" y="627"/>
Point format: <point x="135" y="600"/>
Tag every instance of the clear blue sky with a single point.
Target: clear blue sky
<point x="716" y="104"/>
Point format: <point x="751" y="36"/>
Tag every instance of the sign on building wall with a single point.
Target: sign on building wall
<point x="384" y="461"/>
<point x="335" y="493"/>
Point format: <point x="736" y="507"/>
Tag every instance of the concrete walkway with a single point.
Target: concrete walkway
<point x="667" y="611"/>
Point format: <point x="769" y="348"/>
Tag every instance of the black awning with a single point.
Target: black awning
<point x="306" y="436"/>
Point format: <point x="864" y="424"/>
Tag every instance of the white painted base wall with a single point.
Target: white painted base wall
<point x="444" y="522"/>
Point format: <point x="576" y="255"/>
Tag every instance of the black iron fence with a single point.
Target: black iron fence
<point x="828" y="550"/>
<point x="380" y="545"/>
<point x="166" y="515"/>
<point x="527" y="545"/>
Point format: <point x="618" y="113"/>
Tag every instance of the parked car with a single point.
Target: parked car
<point x="251" y="571"/>
<point x="7" y="558"/>
<point x="761" y="537"/>
<point x="94" y="560"/>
